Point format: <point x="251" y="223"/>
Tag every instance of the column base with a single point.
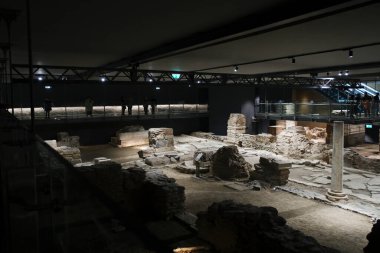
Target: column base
<point x="336" y="196"/>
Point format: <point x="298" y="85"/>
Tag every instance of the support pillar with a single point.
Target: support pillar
<point x="335" y="193"/>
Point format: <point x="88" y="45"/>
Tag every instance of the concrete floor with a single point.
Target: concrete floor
<point x="330" y="225"/>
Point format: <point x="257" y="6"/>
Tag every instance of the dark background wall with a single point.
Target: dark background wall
<point x="108" y="94"/>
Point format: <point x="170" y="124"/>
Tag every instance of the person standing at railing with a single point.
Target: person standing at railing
<point x="375" y="105"/>
<point x="89" y="104"/>
<point x="130" y="105"/>
<point x="153" y="105"/>
<point x="367" y="105"/>
<point x="145" y="105"/>
<point x="48" y="104"/>
<point x="358" y="104"/>
<point x="353" y="107"/>
<point x="123" y="106"/>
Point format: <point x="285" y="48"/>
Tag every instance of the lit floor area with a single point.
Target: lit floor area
<point x="331" y="225"/>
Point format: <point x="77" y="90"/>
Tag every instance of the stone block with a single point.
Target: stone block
<point x="52" y="143"/>
<point x="157" y="161"/>
<point x="161" y="137"/>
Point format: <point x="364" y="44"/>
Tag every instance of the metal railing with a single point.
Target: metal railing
<point x="315" y="111"/>
<point x="110" y="111"/>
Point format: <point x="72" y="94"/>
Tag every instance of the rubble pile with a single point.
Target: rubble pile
<point x="71" y="154"/>
<point x="293" y="142"/>
<point x="272" y="171"/>
<point x="209" y="136"/>
<point x="227" y="163"/>
<point x="130" y="136"/>
<point x="373" y="239"/>
<point x="236" y="125"/>
<point x="361" y="162"/>
<point x="148" y="193"/>
<point x="161" y="138"/>
<point x="260" y="141"/>
<point x="232" y="227"/>
<point x="316" y="133"/>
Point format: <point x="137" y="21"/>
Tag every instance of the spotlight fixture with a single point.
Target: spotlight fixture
<point x="350" y="53"/>
<point x="293" y="60"/>
<point x="340" y="73"/>
<point x="103" y="79"/>
<point x="47" y="87"/>
<point x="158" y="88"/>
<point x="346" y="73"/>
<point x="236" y="68"/>
<point x="198" y="81"/>
<point x="150" y="80"/>
<point x="40" y="78"/>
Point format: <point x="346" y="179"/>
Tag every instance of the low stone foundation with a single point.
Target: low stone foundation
<point x="232" y="227"/>
<point x="161" y="137"/>
<point x="130" y="136"/>
<point x="272" y="171"/>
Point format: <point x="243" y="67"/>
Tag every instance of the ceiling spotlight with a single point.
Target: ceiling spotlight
<point x="293" y="60"/>
<point x="340" y="73"/>
<point x="103" y="79"/>
<point x="150" y="80"/>
<point x="198" y="81"/>
<point x="346" y="73"/>
<point x="350" y="53"/>
<point x="236" y="68"/>
<point x="40" y="78"/>
<point x="47" y="87"/>
<point x="158" y="88"/>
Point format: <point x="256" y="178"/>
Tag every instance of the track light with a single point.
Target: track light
<point x="350" y="53"/>
<point x="340" y="73"/>
<point x="346" y="73"/>
<point x="236" y="68"/>
<point x="293" y="60"/>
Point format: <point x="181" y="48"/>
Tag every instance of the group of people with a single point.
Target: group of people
<point x="369" y="105"/>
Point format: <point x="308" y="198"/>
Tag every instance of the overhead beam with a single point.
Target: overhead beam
<point x="368" y="65"/>
<point x="284" y="13"/>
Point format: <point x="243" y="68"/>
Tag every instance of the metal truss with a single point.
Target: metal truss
<point x="69" y="74"/>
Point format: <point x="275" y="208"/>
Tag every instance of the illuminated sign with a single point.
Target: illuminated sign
<point x="368" y="125"/>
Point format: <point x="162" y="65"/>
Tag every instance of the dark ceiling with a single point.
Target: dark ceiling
<point x="198" y="35"/>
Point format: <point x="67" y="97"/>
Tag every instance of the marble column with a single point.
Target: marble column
<point x="336" y="191"/>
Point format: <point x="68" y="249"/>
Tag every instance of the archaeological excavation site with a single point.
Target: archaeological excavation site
<point x="189" y="126"/>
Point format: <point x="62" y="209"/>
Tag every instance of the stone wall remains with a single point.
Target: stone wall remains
<point x="237" y="228"/>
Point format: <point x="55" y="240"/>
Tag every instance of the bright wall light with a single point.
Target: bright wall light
<point x="158" y="88"/>
<point x="47" y="87"/>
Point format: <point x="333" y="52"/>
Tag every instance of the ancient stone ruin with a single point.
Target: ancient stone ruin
<point x="161" y="138"/>
<point x="130" y="136"/>
<point x="67" y="146"/>
<point x="228" y="164"/>
<point x="148" y="193"/>
<point x="272" y="171"/>
<point x="236" y="126"/>
<point x="232" y="227"/>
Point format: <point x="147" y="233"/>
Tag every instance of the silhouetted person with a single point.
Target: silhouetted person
<point x="366" y="104"/>
<point x="47" y="107"/>
<point x="375" y="105"/>
<point x="89" y="104"/>
<point x="145" y="105"/>
<point x="153" y="104"/>
<point x="358" y="101"/>
<point x="130" y="105"/>
<point x="352" y="106"/>
<point x="123" y="106"/>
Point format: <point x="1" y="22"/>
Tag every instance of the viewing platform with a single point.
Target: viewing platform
<point x="318" y="112"/>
